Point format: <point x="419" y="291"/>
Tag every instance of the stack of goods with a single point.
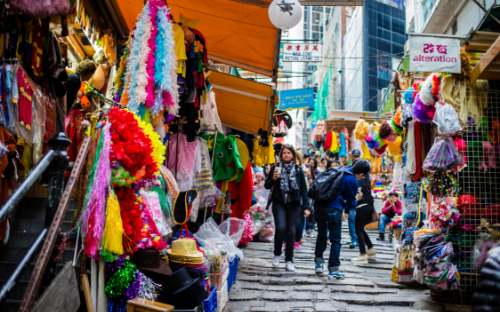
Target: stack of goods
<point x="434" y="267"/>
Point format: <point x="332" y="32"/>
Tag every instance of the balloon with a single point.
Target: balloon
<point x="285" y="14"/>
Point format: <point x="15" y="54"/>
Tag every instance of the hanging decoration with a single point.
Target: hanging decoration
<point x="285" y="14"/>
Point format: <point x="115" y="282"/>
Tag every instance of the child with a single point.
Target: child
<point x="392" y="207"/>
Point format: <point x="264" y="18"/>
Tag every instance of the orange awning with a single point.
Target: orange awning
<point x="238" y="32"/>
<point x="242" y="104"/>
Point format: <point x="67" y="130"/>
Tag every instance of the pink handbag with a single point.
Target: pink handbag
<point x="42" y="7"/>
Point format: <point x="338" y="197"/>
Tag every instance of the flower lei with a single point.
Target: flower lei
<point x="132" y="148"/>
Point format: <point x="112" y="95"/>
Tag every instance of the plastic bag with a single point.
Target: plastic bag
<point x="233" y="227"/>
<point x="210" y="237"/>
<point x="446" y="119"/>
<point x="442" y="156"/>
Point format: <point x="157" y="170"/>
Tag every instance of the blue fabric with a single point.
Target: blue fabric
<point x="330" y="227"/>
<point x="348" y="188"/>
<point x="352" y="226"/>
<point x="384" y="220"/>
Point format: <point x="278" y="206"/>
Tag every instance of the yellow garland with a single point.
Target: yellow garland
<point x="113" y="230"/>
<point x="159" y="149"/>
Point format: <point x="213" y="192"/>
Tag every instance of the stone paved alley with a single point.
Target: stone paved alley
<point x="367" y="288"/>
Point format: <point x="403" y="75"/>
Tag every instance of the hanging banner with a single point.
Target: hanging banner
<point x="296" y="98"/>
<point x="434" y="54"/>
<point x="301" y="52"/>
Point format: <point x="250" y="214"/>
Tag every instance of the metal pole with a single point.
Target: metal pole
<point x="12" y="279"/>
<point x="27" y="184"/>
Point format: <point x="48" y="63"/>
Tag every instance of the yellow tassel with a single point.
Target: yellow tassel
<point x="113" y="230"/>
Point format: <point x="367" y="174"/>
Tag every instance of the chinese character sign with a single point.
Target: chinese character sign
<point x="434" y="54"/>
<point x="301" y="52"/>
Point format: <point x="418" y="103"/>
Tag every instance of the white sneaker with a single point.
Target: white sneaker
<point x="276" y="261"/>
<point x="371" y="253"/>
<point x="290" y="267"/>
<point x="362" y="259"/>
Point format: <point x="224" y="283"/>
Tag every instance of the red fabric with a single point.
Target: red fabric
<point x="418" y="152"/>
<point x="25" y="101"/>
<point x="75" y="131"/>
<point x="391" y="209"/>
<point x="241" y="193"/>
<point x="328" y="141"/>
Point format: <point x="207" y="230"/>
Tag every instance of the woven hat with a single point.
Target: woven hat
<point x="185" y="248"/>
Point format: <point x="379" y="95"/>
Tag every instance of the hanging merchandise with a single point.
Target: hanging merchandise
<point x="424" y="105"/>
<point x="227" y="162"/>
<point x="263" y="149"/>
<point x="182" y="156"/>
<point x="210" y="120"/>
<point x="443" y="156"/>
<point x="318" y="133"/>
<point x="343" y="139"/>
<point x="148" y="82"/>
<point x="282" y="122"/>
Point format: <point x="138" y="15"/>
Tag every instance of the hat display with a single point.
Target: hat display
<point x="184" y="291"/>
<point x="149" y="261"/>
<point x="182" y="207"/>
<point x="184" y="251"/>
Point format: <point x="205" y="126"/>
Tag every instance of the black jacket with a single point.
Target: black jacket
<point x="301" y="199"/>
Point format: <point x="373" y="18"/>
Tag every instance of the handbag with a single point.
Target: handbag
<point x="42" y="7"/>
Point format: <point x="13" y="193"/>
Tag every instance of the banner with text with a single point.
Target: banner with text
<point x="434" y="54"/>
<point x="301" y="52"/>
<point x="296" y="98"/>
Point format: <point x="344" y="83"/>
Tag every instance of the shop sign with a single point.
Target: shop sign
<point x="296" y="98"/>
<point x="434" y="54"/>
<point x="301" y="52"/>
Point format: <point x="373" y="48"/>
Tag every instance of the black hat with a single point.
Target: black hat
<point x="182" y="207"/>
<point x="355" y="153"/>
<point x="150" y="263"/>
<point x="184" y="291"/>
<point x="361" y="166"/>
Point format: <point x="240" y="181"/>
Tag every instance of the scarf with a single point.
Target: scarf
<point x="288" y="180"/>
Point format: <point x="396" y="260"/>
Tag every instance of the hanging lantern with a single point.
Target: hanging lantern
<point x="285" y="14"/>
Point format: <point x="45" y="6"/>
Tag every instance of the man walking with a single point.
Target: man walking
<point x="351" y="214"/>
<point x="329" y="222"/>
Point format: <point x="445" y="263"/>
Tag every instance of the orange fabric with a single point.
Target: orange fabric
<point x="242" y="104"/>
<point x="238" y="33"/>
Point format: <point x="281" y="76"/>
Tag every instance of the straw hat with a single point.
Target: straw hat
<point x="184" y="250"/>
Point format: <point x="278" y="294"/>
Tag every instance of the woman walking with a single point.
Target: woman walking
<point x="364" y="211"/>
<point x="289" y="199"/>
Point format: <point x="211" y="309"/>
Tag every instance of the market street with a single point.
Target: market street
<point x="366" y="288"/>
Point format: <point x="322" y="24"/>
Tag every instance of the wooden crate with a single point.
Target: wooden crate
<point x="143" y="305"/>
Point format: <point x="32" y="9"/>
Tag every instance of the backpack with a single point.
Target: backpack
<point x="325" y="187"/>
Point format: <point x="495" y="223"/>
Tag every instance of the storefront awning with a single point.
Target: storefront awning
<point x="488" y="45"/>
<point x="243" y="105"/>
<point x="238" y="32"/>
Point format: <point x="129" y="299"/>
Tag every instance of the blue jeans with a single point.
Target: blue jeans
<point x="329" y="225"/>
<point x="383" y="221"/>
<point x="352" y="226"/>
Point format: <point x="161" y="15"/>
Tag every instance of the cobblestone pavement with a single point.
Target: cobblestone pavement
<point x="366" y="288"/>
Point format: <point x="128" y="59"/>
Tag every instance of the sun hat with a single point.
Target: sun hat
<point x="184" y="248"/>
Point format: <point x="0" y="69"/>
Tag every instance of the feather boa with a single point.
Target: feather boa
<point x="150" y="64"/>
<point x="93" y="225"/>
<point x="159" y="149"/>
<point x="137" y="62"/>
<point x="152" y="203"/>
<point x="165" y="64"/>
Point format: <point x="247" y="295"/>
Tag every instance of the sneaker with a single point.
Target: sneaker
<point x="371" y="253"/>
<point x="353" y="246"/>
<point x="290" y="267"/>
<point x="276" y="261"/>
<point x="336" y="275"/>
<point x="381" y="237"/>
<point x="319" y="267"/>
<point x="361" y="259"/>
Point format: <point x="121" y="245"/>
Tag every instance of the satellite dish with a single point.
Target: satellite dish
<point x="285" y="14"/>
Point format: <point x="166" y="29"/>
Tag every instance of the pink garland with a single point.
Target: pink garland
<point x="93" y="226"/>
<point x="150" y="67"/>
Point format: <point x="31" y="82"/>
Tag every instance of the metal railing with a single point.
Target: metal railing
<point x="26" y="185"/>
<point x="11" y="282"/>
<point x="56" y="159"/>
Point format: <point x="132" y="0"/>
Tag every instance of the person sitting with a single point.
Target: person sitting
<point x="392" y="207"/>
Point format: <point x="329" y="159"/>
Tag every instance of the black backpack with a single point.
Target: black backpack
<point x="325" y="187"/>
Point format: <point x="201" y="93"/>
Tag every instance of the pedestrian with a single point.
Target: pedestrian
<point x="329" y="222"/>
<point x="392" y="207"/>
<point x="289" y="199"/>
<point x="364" y="211"/>
<point x="355" y="156"/>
